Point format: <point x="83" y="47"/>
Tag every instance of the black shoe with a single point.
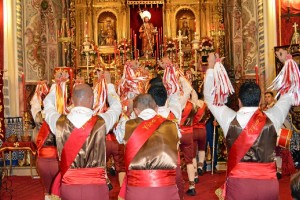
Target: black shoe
<point x="200" y="172"/>
<point x="196" y="180"/>
<point x="191" y="192"/>
<point x="112" y="171"/>
<point x="110" y="186"/>
<point x="279" y="175"/>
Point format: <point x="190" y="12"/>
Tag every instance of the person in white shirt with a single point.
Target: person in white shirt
<point x="251" y="170"/>
<point x="151" y="153"/>
<point x="84" y="176"/>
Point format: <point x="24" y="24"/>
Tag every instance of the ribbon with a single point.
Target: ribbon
<point x="41" y="90"/>
<point x="129" y="84"/>
<point x="288" y="80"/>
<point x="100" y="95"/>
<point x="222" y="85"/>
<point x="169" y="79"/>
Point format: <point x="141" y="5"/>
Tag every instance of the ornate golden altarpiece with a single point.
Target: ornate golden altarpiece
<point x="107" y="23"/>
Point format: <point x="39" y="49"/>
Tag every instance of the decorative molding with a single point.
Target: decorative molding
<point x="144" y="2"/>
<point x="261" y="43"/>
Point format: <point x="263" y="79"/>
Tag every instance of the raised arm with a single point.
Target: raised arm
<point x="223" y="114"/>
<point x="51" y="114"/>
<point x="187" y="89"/>
<point x="112" y="114"/>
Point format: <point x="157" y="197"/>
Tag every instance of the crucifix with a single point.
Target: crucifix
<point x="295" y="27"/>
<point x="180" y="38"/>
<point x="295" y="35"/>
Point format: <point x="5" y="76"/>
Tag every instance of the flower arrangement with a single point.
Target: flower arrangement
<point x="206" y="45"/>
<point x="170" y="46"/>
<point x="123" y="47"/>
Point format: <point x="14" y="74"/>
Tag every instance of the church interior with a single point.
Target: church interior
<point x="41" y="37"/>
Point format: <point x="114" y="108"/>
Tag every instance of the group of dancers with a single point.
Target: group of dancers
<point x="145" y="124"/>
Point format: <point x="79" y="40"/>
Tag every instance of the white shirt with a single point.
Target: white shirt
<point x="35" y="106"/>
<point x="224" y="115"/>
<point x="174" y="104"/>
<point x="80" y="115"/>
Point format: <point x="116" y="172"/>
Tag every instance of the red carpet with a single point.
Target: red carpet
<point x="26" y="188"/>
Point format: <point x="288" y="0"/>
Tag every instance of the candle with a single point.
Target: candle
<point x="165" y="43"/>
<point x="130" y="34"/>
<point x="195" y="25"/>
<point x="24" y="90"/>
<point x="86" y="30"/>
<point x="115" y="51"/>
<point x="157" y="45"/>
<point x="75" y="62"/>
<point x="256" y="74"/>
<point x="135" y="55"/>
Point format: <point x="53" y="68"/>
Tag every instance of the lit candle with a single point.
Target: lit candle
<point x="86" y="30"/>
<point x="195" y="25"/>
<point x="256" y="74"/>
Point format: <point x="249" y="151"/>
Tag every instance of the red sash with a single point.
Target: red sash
<point x="138" y="138"/>
<point x="151" y="178"/>
<point x="244" y="142"/>
<point x="48" y="152"/>
<point x="185" y="114"/>
<point x="42" y="136"/>
<point x="111" y="137"/>
<point x="70" y="151"/>
<point x="186" y="111"/>
<point x="85" y="176"/>
<point x="199" y="115"/>
<point x="246" y="139"/>
<point x="254" y="170"/>
<point x="171" y="116"/>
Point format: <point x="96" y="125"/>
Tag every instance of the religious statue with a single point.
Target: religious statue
<point x="185" y="30"/>
<point x="147" y="32"/>
<point x="108" y="36"/>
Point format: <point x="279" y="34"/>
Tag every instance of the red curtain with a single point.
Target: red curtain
<point x="287" y="29"/>
<point x="2" y="128"/>
<point x="136" y="21"/>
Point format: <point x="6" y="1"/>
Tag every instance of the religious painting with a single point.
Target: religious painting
<point x="288" y="20"/>
<point x="186" y="23"/>
<point x="107" y="23"/>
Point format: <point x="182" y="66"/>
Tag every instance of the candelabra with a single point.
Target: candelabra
<point x="195" y="47"/>
<point x="218" y="35"/>
<point x="87" y="51"/>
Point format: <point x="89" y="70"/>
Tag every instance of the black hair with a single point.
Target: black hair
<point x="159" y="94"/>
<point x="249" y="94"/>
<point x="198" y="89"/>
<point x="156" y="81"/>
<point x="295" y="186"/>
<point x="269" y="92"/>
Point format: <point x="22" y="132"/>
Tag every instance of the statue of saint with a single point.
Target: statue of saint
<point x="147" y="32"/>
<point x="185" y="31"/>
<point x="107" y="37"/>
